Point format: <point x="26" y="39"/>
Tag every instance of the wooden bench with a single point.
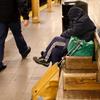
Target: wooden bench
<point x="78" y="74"/>
<point x="77" y="62"/>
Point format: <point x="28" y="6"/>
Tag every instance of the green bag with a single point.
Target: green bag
<point x="77" y="47"/>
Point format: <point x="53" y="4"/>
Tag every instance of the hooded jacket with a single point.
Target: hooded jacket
<point x="80" y="25"/>
<point x="10" y="10"/>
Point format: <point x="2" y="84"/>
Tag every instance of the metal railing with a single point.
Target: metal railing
<point x="97" y="37"/>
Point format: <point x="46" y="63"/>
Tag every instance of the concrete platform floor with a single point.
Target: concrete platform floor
<point x="17" y="80"/>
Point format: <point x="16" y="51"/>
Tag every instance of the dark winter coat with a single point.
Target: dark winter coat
<point x="80" y="25"/>
<point x="10" y="10"/>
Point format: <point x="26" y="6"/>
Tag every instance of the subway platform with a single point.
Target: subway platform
<point x="17" y="80"/>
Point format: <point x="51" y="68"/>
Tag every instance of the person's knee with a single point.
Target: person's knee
<point x="56" y="38"/>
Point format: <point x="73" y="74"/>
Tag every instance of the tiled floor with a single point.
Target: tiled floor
<point x="17" y="80"/>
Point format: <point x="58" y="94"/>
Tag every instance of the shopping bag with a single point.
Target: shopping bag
<point x="46" y="87"/>
<point x="77" y="47"/>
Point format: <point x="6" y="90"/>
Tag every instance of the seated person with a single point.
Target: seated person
<point x="80" y="25"/>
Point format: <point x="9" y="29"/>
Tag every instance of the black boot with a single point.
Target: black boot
<point x="2" y="66"/>
<point x="24" y="55"/>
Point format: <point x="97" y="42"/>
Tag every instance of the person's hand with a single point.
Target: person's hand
<point x="25" y="23"/>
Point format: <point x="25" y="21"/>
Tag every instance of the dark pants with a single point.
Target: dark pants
<point x="54" y="51"/>
<point x="15" y="27"/>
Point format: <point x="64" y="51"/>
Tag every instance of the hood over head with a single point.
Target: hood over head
<point x="75" y="13"/>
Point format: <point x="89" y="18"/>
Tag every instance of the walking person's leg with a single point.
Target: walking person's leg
<point x="22" y="46"/>
<point x="3" y="35"/>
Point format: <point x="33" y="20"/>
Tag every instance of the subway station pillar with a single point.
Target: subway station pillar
<point x="35" y="11"/>
<point x="49" y="5"/>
